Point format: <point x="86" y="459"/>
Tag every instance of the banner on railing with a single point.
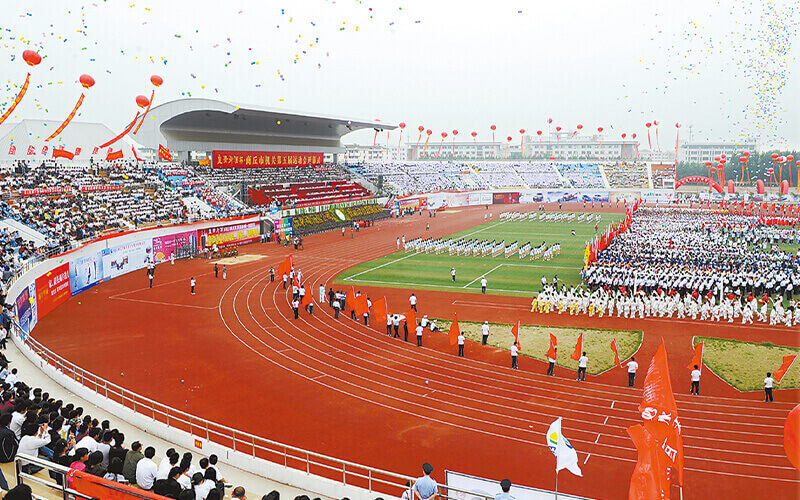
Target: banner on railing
<point x="258" y="159"/>
<point x="25" y="306"/>
<point x="193" y="183"/>
<point x="181" y="245"/>
<point x="328" y="168"/>
<point x="96" y="487"/>
<point x="85" y="272"/>
<point x="52" y="290"/>
<point x="123" y="259"/>
<point x="101" y="187"/>
<point x="224" y="236"/>
<point x="46" y="190"/>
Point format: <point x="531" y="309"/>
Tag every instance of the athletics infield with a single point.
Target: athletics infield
<point x="346" y="390"/>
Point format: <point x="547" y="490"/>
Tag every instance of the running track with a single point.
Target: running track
<point x="349" y="391"/>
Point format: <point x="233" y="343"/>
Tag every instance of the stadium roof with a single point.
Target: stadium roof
<point x="206" y="124"/>
<point x="86" y="136"/>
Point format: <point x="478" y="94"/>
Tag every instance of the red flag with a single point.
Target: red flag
<point x="360" y="306"/>
<point x="697" y="359"/>
<point x="647" y="480"/>
<point x="616" y="353"/>
<point x="787" y="363"/>
<point x="308" y="299"/>
<point x="114" y="155"/>
<point x="285" y="266"/>
<point x="576" y="355"/>
<point x="454" y="330"/>
<point x="660" y="413"/>
<point x="379" y="312"/>
<point x="515" y="332"/>
<point x="551" y="352"/>
<point x="164" y="153"/>
<point x="296" y="281"/>
<point x="62" y="153"/>
<point x="411" y="318"/>
<point x="350" y="300"/>
<point x="791" y="437"/>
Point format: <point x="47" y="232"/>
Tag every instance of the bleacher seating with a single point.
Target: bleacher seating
<point x="582" y="175"/>
<point x="627" y="175"/>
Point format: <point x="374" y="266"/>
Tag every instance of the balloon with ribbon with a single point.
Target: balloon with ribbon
<point x="549" y="122"/>
<point x="636" y="145"/>
<point x="142" y="102"/>
<point x="493" y="127"/>
<point x="157" y="81"/>
<point x="508" y="140"/>
<point x="539" y="133"/>
<point x="558" y="129"/>
<point x="455" y="133"/>
<point x="402" y="125"/>
<point x="577" y="129"/>
<point x="790" y="159"/>
<point x="31" y="58"/>
<point x="658" y="145"/>
<point x="623" y="135"/>
<point x="474" y="135"/>
<point x="425" y="148"/>
<point x="521" y="139"/>
<point x="86" y="82"/>
<point x="600" y="139"/>
<point x="421" y="130"/>
<point x="677" y="143"/>
<point x="649" y="144"/>
<point x="444" y="136"/>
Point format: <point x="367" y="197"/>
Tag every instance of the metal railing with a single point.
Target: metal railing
<point x="54" y="486"/>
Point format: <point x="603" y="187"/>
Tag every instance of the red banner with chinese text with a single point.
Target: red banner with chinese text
<point x="52" y="290"/>
<point x="46" y="190"/>
<point x="101" y="187"/>
<point x="258" y="159"/>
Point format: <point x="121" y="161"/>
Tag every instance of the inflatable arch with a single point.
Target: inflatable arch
<point x="699" y="179"/>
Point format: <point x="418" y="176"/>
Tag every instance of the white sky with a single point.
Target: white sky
<point x="727" y="68"/>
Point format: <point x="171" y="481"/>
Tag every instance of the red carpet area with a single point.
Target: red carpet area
<point x="233" y="354"/>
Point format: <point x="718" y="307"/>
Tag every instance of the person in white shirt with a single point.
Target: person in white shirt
<point x="419" y="335"/>
<point x="104" y="446"/>
<point x="483" y="284"/>
<point x="12" y="379"/>
<point x="33" y="438"/>
<point x="551" y="366"/>
<point x="212" y="464"/>
<point x="632" y="367"/>
<point x="146" y="470"/>
<point x="89" y="441"/>
<point x="167" y="463"/>
<point x="695" y="381"/>
<point x="18" y="418"/>
<point x="514" y="351"/>
<point x="460" y="344"/>
<point x="322" y="298"/>
<point x="767" y="388"/>
<point x="413" y="301"/>
<point x="485" y="332"/>
<point x="583" y="362"/>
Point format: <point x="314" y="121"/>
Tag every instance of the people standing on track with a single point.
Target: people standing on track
<point x="322" y="293"/>
<point x="460" y="344"/>
<point x="389" y="325"/>
<point x="485" y="332"/>
<point x="296" y="308"/>
<point x="224" y="272"/>
<point x="403" y="241"/>
<point x="191" y="284"/>
<point x="172" y="258"/>
<point x="514" y="351"/>
<point x="398" y="243"/>
<point x="405" y="330"/>
<point x="285" y="280"/>
<point x="695" y="381"/>
<point x="151" y="272"/>
<point x="301" y="292"/>
<point x="551" y="367"/>
<point x="396" y="325"/>
<point x="342" y="231"/>
<point x="419" y="335"/>
<point x="425" y="488"/>
<point x="272" y="275"/>
<point x="544" y="282"/>
<point x="413" y="301"/>
<point x="483" y="284"/>
<point x="336" y="308"/>
<point x="453" y="273"/>
<point x="768" y="388"/>
<point x="583" y="362"/>
<point x="632" y="367"/>
<point x="366" y="313"/>
<point x="331" y="296"/>
<point x="216" y="270"/>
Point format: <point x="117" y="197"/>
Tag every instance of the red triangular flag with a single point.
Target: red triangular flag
<point x="361" y="306"/>
<point x="551" y="352"/>
<point x="616" y="353"/>
<point x="454" y="330"/>
<point x="576" y="355"/>
<point x="515" y="332"/>
<point x="308" y="298"/>
<point x="411" y="319"/>
<point x="787" y="363"/>
<point x="697" y="359"/>
<point x="379" y="312"/>
<point x="659" y="411"/>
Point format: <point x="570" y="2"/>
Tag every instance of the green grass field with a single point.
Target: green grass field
<point x="535" y="340"/>
<point x="745" y="364"/>
<point x="512" y="276"/>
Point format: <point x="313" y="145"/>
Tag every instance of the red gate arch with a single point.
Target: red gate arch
<point x="699" y="179"/>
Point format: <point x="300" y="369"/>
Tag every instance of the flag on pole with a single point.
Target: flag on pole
<point x="787" y="363"/>
<point x="566" y="456"/>
<point x="113" y="155"/>
<point x="576" y="355"/>
<point x="285" y="266"/>
<point x="308" y="299"/>
<point x="551" y="352"/>
<point x="697" y="359"/>
<point x="649" y="477"/>
<point x="379" y="312"/>
<point x="515" y="333"/>
<point x="454" y="330"/>
<point x="660" y="413"/>
<point x="616" y="352"/>
<point x="350" y="300"/>
<point x="164" y="153"/>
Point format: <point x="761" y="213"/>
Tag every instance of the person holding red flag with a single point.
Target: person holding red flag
<point x="583" y="362"/>
<point x="552" y="354"/>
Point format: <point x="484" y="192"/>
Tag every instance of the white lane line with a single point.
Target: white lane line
<point x="587" y="458"/>
<point x="485" y="274"/>
<point x="380" y="266"/>
<point x="162" y="303"/>
<point x="612" y="404"/>
<point x="606" y="420"/>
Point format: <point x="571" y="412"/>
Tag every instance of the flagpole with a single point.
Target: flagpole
<point x="557" y="479"/>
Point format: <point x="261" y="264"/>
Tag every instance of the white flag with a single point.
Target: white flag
<point x="566" y="456"/>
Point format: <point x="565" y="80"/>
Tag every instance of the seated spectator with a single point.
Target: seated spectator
<point x="114" y="471"/>
<point x="118" y="450"/>
<point x="8" y="440"/>
<point x="19" y="492"/>
<point x="33" y="438"/>
<point x="146" y="469"/>
<point x="131" y="460"/>
<point x="94" y="465"/>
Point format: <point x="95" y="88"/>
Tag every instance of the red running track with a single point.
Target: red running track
<point x="349" y="391"/>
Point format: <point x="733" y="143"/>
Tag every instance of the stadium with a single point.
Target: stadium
<point x="248" y="303"/>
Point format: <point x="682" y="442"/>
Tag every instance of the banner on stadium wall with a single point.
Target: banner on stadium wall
<point x="257" y="159"/>
<point x="25" y="306"/>
<point x="531" y="197"/>
<point x="101" y="187"/>
<point x="123" y="259"/>
<point x="505" y="198"/>
<point x="480" y="198"/>
<point x="658" y="195"/>
<point x="283" y="226"/>
<point x="85" y="272"/>
<point x="237" y="234"/>
<point x="328" y="168"/>
<point x="423" y="202"/>
<point x="181" y="244"/>
<point x="47" y="190"/>
<point x="320" y="221"/>
<point x="52" y="290"/>
<point x="192" y="183"/>
<point x="408" y="202"/>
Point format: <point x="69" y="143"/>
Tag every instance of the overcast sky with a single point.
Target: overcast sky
<point x="727" y="68"/>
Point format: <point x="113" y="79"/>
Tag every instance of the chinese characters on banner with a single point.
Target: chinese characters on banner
<point x="258" y="159"/>
<point x="224" y="236"/>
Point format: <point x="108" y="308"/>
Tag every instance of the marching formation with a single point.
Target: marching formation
<point x="483" y="248"/>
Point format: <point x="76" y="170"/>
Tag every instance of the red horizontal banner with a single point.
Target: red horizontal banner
<point x="323" y="169"/>
<point x="257" y="159"/>
<point x="47" y="190"/>
<point x="101" y="187"/>
<point x="193" y="183"/>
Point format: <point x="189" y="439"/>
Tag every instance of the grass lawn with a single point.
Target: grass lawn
<point x="535" y="341"/>
<point x="745" y="364"/>
<point x="512" y="276"/>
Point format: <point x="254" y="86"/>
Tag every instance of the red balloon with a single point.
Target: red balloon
<point x="429" y="131"/>
<point x="708" y="164"/>
<point x="723" y="155"/>
<point x="549" y="120"/>
<point x="717" y="158"/>
<point x="771" y="170"/>
<point x="798" y="163"/>
<point x="648" y="124"/>
<point x="455" y="132"/>
<point x="509" y="138"/>
<point x="444" y="134"/>
<point x="142" y="101"/>
<point x="633" y="135"/>
<point x="746" y="153"/>
<point x="655" y="122"/>
<point x="420" y="128"/>
<point x="774" y="156"/>
<point x="156" y="80"/>
<point x="538" y="132"/>
<point x="624" y="135"/>
<point x="31" y="57"/>
<point x="579" y="126"/>
<point x="790" y="158"/>
<point x="86" y="80"/>
<point x="723" y="161"/>
<point x="713" y="170"/>
<point x="600" y="129"/>
<point x="402" y="125"/>
<point x="493" y="127"/>
<point x="677" y="125"/>
<point x="522" y="131"/>
<point x="474" y="134"/>
<point x="781" y="159"/>
<point x="742" y="159"/>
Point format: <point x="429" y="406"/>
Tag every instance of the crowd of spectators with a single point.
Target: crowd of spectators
<point x="627" y="175"/>
<point x="539" y="174"/>
<point x="272" y="175"/>
<point x="661" y="173"/>
<point x="582" y="175"/>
